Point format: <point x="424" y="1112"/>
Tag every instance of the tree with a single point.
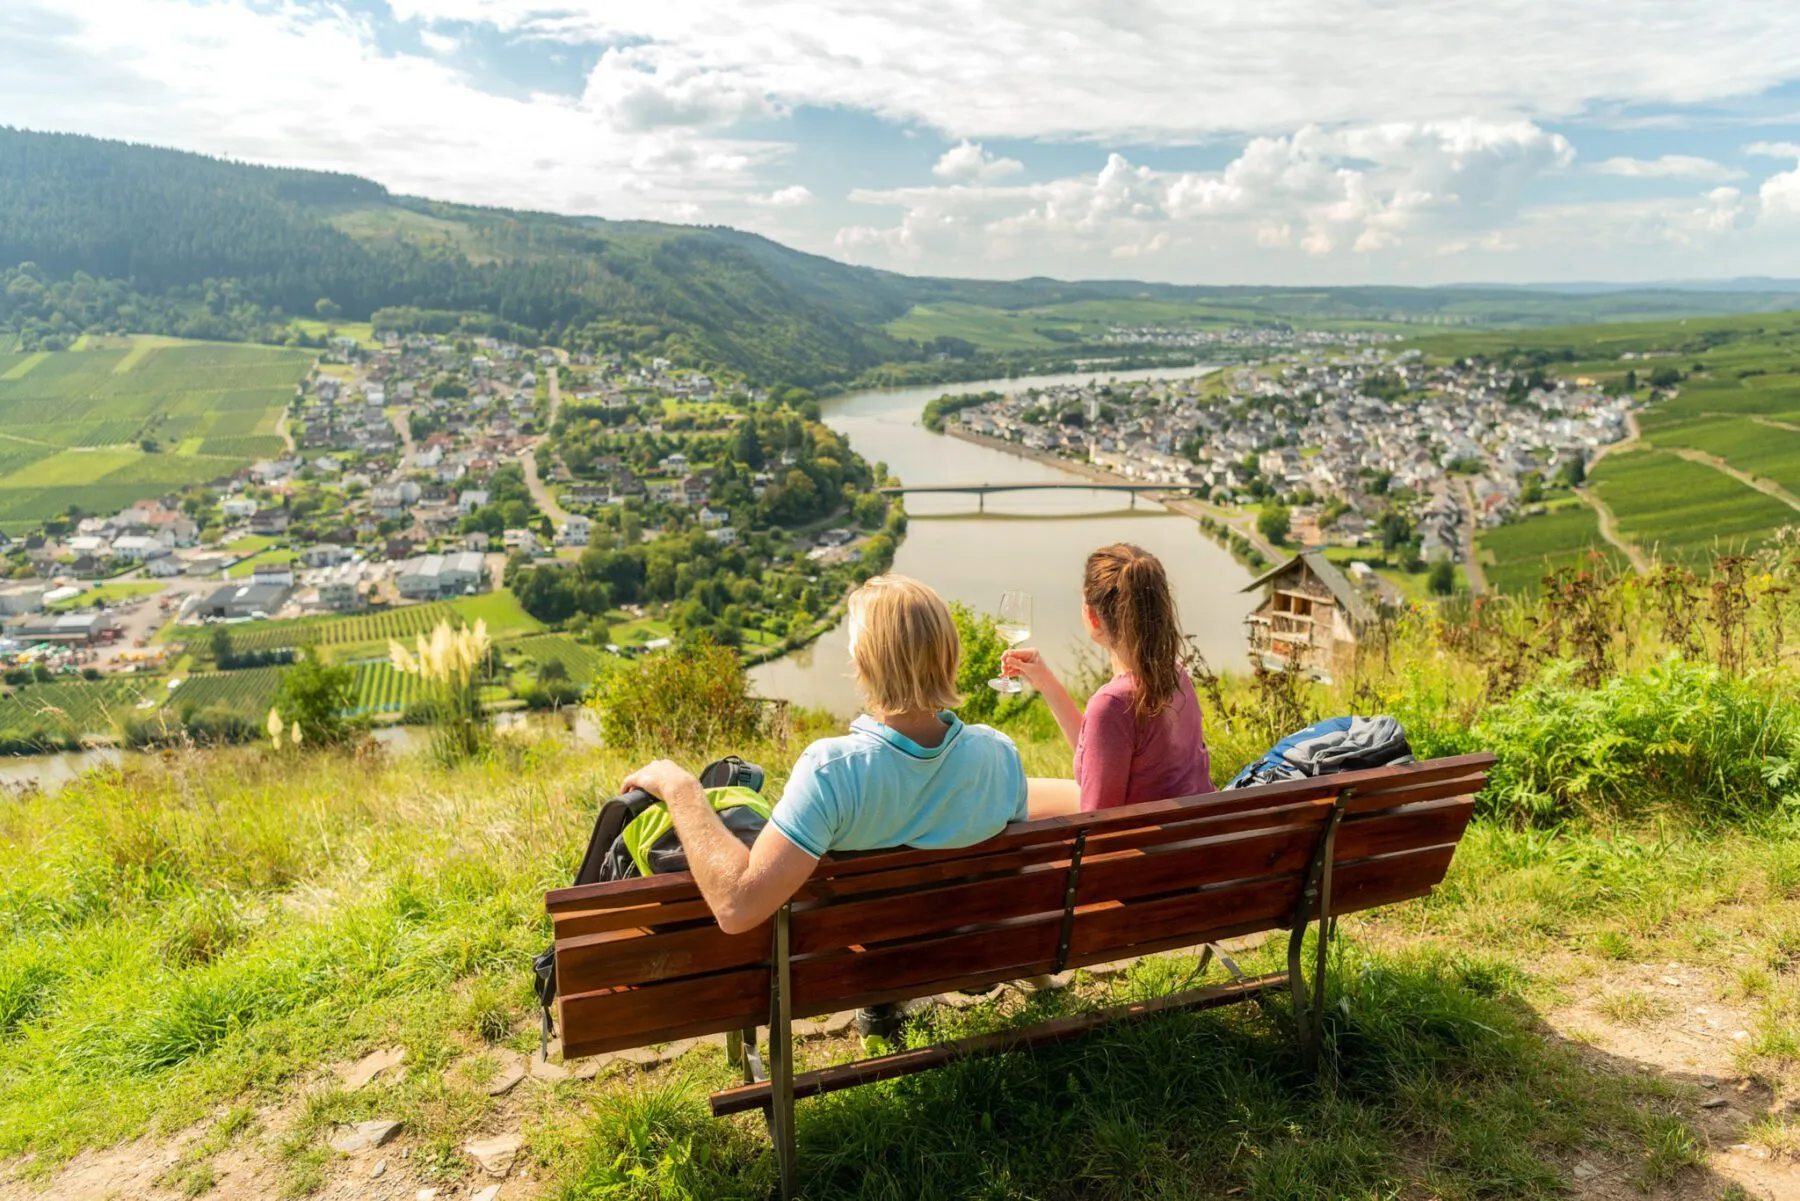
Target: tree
<point x="1273" y="522"/>
<point x="218" y="646"/>
<point x="314" y="695"/>
<point x="1442" y="580"/>
<point x="327" y="309"/>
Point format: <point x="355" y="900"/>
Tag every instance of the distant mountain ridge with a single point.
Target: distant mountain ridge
<point x="125" y="236"/>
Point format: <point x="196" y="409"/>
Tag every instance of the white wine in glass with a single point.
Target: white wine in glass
<point x="1014" y="626"/>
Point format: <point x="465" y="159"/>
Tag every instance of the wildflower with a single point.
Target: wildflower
<point x="275" y="726"/>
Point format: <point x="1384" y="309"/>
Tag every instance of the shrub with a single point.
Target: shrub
<point x="683" y="701"/>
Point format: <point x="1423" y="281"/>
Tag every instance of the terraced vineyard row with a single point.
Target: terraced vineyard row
<point x="75" y="707"/>
<point x="581" y="660"/>
<point x="249" y="692"/>
<point x="381" y="689"/>
<point x="401" y="623"/>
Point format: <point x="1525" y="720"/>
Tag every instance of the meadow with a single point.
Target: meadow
<point x="76" y="426"/>
<point x="194" y="950"/>
<point x="64" y="713"/>
<point x="1516" y="557"/>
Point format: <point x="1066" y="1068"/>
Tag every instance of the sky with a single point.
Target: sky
<point x="1224" y="141"/>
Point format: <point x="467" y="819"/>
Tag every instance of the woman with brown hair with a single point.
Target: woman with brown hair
<point x="1140" y="738"/>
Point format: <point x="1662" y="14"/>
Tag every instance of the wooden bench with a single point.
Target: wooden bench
<point x="641" y="962"/>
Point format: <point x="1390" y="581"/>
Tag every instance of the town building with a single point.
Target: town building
<point x="1311" y="618"/>
<point x="436" y="577"/>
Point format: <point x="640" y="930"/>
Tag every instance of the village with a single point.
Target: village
<point x="1363" y="447"/>
<point x="419" y="466"/>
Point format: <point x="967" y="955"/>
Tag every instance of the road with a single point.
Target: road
<point x="1609" y="525"/>
<point x="1470" y="552"/>
<point x="539" y="492"/>
<point x="401" y="420"/>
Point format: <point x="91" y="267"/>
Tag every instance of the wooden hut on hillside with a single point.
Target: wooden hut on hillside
<point x="1311" y="617"/>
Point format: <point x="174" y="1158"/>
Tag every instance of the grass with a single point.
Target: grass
<point x="408" y="901"/>
<point x="111" y="594"/>
<point x="245" y="568"/>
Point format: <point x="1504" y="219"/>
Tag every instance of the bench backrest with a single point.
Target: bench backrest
<point x="641" y="961"/>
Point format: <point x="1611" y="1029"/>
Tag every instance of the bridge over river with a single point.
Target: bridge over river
<point x="981" y="490"/>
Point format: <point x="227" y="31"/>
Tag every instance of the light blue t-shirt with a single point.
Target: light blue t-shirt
<point x="874" y="787"/>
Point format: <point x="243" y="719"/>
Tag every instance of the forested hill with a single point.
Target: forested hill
<point x="100" y="235"/>
<point x="184" y="244"/>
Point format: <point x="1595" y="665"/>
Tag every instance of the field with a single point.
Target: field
<point x="245" y="568"/>
<point x="581" y="660"/>
<point x="1684" y="511"/>
<point x="73" y="709"/>
<point x="498" y="609"/>
<point x="110" y="594"/>
<point x="248" y="693"/>
<point x="380" y="688"/>
<point x="74" y="425"/>
<point x="1516" y="557"/>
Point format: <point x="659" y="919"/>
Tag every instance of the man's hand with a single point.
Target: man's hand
<point x="1025" y="661"/>
<point x="664" y="779"/>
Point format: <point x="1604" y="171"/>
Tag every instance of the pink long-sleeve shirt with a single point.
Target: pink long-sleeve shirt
<point x="1120" y="762"/>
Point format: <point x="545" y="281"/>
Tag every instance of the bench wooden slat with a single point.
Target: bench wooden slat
<point x="1387" y="879"/>
<point x="621" y="957"/>
<point x="1110" y="930"/>
<point x="1426" y="824"/>
<point x="1188" y="866"/>
<point x="575" y="923"/>
<point x="930" y="910"/>
<point x="1025" y="947"/>
<point x="614" y="1019"/>
<point x="1432" y="790"/>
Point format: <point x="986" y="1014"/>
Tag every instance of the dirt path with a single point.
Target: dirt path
<point x="287" y="434"/>
<point x="1609" y="525"/>
<point x="1766" y="487"/>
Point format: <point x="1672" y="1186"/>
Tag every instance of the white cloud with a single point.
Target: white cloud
<point x="1774" y="149"/>
<point x="968" y="161"/>
<point x="1170" y="69"/>
<point x="1366" y="190"/>
<point x="789" y="197"/>
<point x="1669" y="166"/>
<point x="438" y="43"/>
<point x="1780" y="196"/>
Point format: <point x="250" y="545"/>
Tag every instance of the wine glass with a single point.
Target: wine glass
<point x="1014" y="626"/>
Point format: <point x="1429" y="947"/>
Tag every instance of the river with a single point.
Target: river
<point x="1035" y="541"/>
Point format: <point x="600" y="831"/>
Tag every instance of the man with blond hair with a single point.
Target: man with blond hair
<point x="909" y="773"/>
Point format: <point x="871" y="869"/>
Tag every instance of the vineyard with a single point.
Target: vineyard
<point x="402" y="623"/>
<point x="581" y="660"/>
<point x="1683" y="510"/>
<point x="66" y="711"/>
<point x="1519" y="555"/>
<point x="382" y="689"/>
<point x="248" y="693"/>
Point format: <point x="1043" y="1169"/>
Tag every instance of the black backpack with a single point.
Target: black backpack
<point x="609" y="858"/>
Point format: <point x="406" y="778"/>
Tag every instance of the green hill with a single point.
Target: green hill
<point x="101" y="236"/>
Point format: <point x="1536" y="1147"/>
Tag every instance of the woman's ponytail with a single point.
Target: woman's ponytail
<point x="1128" y="590"/>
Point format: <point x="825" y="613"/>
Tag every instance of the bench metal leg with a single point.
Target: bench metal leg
<point x="1315" y="898"/>
<point x="740" y="1052"/>
<point x="781" y="1058"/>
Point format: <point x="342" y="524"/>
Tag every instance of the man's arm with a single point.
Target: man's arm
<point x="742" y="885"/>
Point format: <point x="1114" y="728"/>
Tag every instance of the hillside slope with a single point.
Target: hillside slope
<point x="109" y="236"/>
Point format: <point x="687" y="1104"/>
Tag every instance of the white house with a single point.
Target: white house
<point x="472" y="499"/>
<point x="433" y="577"/>
<point x="575" y="531"/>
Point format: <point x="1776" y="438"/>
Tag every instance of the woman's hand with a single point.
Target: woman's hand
<point x="1026" y="663"/>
